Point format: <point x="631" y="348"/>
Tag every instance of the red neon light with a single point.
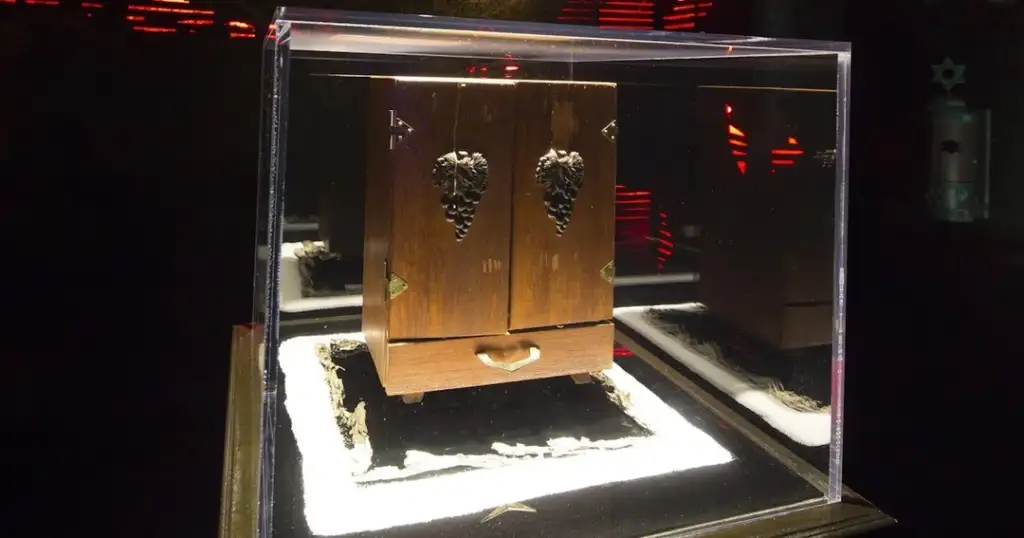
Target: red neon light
<point x="742" y="165"/>
<point x="237" y="35"/>
<point x="787" y="162"/>
<point x="620" y="19"/>
<point x="178" y="11"/>
<point x="196" y="22"/>
<point x="738" y="153"/>
<point x="680" y="26"/>
<point x="154" y="29"/>
<point x="135" y="18"/>
<point x="511" y="68"/>
<point x="173" y="1"/>
<point x="43" y="2"/>
<point x="792" y="140"/>
<point x="88" y="5"/>
<point x="734" y="131"/>
<point x="787" y="151"/>
<point x="7" y="1"/>
<point x="627" y="12"/>
<point x="240" y="24"/>
<point x="739" y="143"/>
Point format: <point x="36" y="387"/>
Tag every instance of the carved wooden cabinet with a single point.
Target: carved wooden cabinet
<point x="489" y="232"/>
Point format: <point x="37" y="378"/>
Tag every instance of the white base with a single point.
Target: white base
<point x="336" y="503"/>
<point x="806" y="428"/>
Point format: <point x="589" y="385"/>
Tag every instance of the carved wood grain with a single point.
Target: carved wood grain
<point x="556" y="280"/>
<point x="378" y="226"/>
<point x="455" y="288"/>
<point x="427" y="366"/>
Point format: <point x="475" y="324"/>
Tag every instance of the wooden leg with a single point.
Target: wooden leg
<point x="414" y="398"/>
<point x="581" y="379"/>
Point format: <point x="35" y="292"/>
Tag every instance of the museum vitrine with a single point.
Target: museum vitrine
<point x="535" y="280"/>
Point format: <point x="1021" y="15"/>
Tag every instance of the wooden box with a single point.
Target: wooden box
<point x="767" y="213"/>
<point x="465" y="285"/>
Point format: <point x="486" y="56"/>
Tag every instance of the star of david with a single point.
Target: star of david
<point x="948" y="74"/>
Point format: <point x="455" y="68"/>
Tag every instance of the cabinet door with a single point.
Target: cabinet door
<point x="557" y="270"/>
<point x="451" y="253"/>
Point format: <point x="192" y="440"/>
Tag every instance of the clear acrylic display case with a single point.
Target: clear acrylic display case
<point x="543" y="280"/>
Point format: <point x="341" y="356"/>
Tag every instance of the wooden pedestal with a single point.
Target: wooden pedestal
<point x="504" y="297"/>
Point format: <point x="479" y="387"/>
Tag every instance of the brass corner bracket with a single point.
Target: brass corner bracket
<point x="396" y="286"/>
<point x="608" y="271"/>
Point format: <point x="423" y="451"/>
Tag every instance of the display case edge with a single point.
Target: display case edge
<point x="240" y="480"/>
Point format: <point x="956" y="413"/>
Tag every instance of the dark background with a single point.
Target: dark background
<point x="128" y="166"/>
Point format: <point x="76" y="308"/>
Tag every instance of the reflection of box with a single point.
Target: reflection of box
<point x="767" y="248"/>
<point x="466" y="285"/>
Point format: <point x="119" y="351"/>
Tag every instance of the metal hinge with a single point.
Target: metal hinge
<point x="398" y="129"/>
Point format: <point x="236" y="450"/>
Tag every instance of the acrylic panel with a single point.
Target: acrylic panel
<point x="547" y="279"/>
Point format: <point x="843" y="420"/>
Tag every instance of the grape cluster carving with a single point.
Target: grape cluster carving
<point x="462" y="178"/>
<point x="560" y="173"/>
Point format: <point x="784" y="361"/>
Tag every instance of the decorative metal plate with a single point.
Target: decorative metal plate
<point x="462" y="178"/>
<point x="399" y="130"/>
<point x="608" y="271"/>
<point x="396" y="286"/>
<point x="611" y="131"/>
<point x="560" y="173"/>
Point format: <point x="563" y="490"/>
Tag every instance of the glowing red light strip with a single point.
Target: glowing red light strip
<point x="173" y="1"/>
<point x="634" y="193"/>
<point x="43" y="2"/>
<point x="679" y="26"/>
<point x="154" y="29"/>
<point x="88" y="5"/>
<point x="787" y="152"/>
<point x="783" y="161"/>
<point x="196" y="22"/>
<point x="627" y="12"/>
<point x="135" y="18"/>
<point x="236" y="35"/>
<point x="179" y="11"/>
<point x="680" y="16"/>
<point x="622" y="19"/>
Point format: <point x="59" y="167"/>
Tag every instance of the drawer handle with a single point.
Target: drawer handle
<point x="509" y="366"/>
